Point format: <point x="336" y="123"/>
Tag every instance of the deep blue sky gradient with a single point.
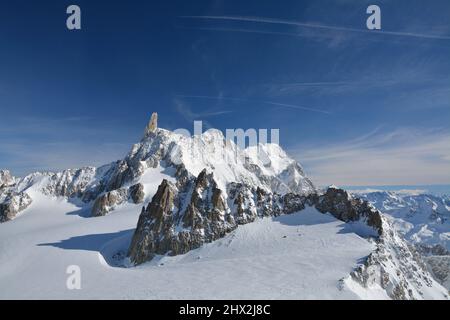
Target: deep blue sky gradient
<point x="72" y="98"/>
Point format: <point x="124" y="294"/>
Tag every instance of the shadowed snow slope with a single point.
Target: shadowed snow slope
<point x="243" y="223"/>
<point x="303" y="255"/>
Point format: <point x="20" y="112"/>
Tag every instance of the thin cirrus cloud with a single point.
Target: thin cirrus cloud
<point x="227" y="29"/>
<point x="186" y="112"/>
<point x="316" y="26"/>
<point x="433" y="92"/>
<point x="271" y="103"/>
<point x="404" y="156"/>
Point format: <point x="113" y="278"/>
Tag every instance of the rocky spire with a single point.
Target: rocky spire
<point x="152" y="124"/>
<point x="5" y="178"/>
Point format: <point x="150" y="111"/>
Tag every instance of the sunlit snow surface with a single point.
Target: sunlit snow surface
<point x="300" y="256"/>
<point x="421" y="218"/>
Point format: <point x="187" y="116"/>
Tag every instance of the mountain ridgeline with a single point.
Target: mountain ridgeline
<point x="183" y="218"/>
<point x="195" y="190"/>
<point x="108" y="186"/>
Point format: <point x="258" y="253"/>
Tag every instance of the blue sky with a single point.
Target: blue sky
<point x="355" y="107"/>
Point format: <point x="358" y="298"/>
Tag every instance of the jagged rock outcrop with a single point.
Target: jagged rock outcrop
<point x="395" y="267"/>
<point x="433" y="250"/>
<point x="69" y="183"/>
<point x="174" y="223"/>
<point x="437" y="259"/>
<point x="154" y="226"/>
<point x="212" y="196"/>
<point x="344" y="207"/>
<point x="6" y="179"/>
<point x="440" y="268"/>
<point x="184" y="217"/>
<point x="422" y="219"/>
<point x="161" y="150"/>
<point x="137" y="193"/>
<point x="152" y="124"/>
<point x="12" y="204"/>
<point x="108" y="201"/>
<point x="121" y="174"/>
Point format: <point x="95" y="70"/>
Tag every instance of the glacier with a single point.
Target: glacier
<point x="285" y="236"/>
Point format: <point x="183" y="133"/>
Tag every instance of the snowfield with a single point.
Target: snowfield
<point x="298" y="256"/>
<point x="50" y="222"/>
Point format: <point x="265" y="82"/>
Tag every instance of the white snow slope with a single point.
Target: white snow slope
<point x="306" y="255"/>
<point x="299" y="256"/>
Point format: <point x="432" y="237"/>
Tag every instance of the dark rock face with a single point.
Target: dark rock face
<point x="345" y="208"/>
<point x="184" y="217"/>
<point x="437" y="259"/>
<point x="13" y="204"/>
<point x="242" y="203"/>
<point x="107" y="202"/>
<point x="154" y="230"/>
<point x="137" y="193"/>
<point x="440" y="268"/>
<point x="396" y="266"/>
<point x="203" y="218"/>
<point x="122" y="174"/>
<point x="6" y="178"/>
<point x="199" y="215"/>
<point x="433" y="250"/>
<point x="293" y="203"/>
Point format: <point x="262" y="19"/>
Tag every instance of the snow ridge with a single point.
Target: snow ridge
<point x="210" y="188"/>
<point x="163" y="150"/>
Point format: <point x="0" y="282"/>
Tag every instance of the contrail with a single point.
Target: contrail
<point x="283" y="105"/>
<point x="318" y="26"/>
<point x="320" y="84"/>
<point x="291" y="106"/>
<point x="247" y="31"/>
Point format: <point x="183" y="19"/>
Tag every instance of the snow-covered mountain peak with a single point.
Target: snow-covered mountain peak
<point x="204" y="188"/>
<point x="266" y="165"/>
<point x="167" y="154"/>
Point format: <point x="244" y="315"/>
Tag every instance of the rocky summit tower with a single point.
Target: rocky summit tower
<point x="152" y="124"/>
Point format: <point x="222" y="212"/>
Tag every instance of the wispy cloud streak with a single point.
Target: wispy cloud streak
<point x="282" y="105"/>
<point x="318" y="26"/>
<point x="293" y="34"/>
<point x="404" y="156"/>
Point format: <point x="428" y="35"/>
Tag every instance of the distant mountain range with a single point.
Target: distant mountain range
<point x="435" y="189"/>
<point x="423" y="219"/>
